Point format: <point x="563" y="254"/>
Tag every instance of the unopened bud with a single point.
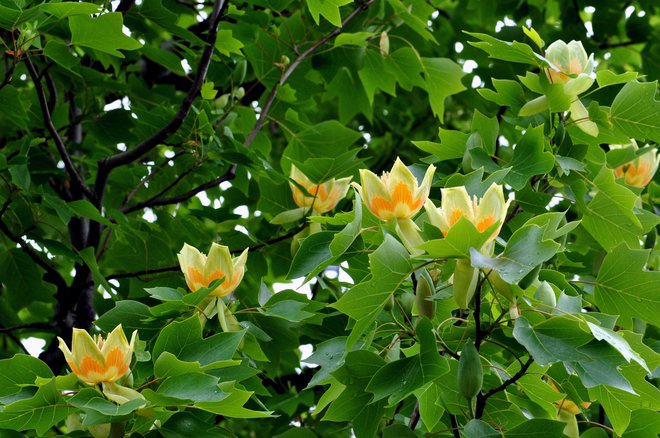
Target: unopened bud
<point x="384" y="44"/>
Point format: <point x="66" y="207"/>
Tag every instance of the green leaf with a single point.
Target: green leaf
<point x="529" y="158"/>
<point x="61" y="54"/>
<point x="22" y="277"/>
<point x="132" y="315"/>
<point x="624" y="288"/>
<point x="451" y="146"/>
<point x="103" y="33"/>
<point x="193" y="387"/>
<point x="232" y="405"/>
<point x="605" y="78"/>
<point x="617" y="342"/>
<point x="329" y="355"/>
<point x="329" y="9"/>
<point x="390" y="265"/>
<point x="164" y="293"/>
<point x="227" y="44"/>
<point x="208" y="91"/>
<point x="553" y="340"/>
<point x="609" y="216"/>
<point x="443" y="79"/>
<point x="375" y="77"/>
<point x="313" y="256"/>
<point x="184" y="340"/>
<point x="9" y="98"/>
<point x="89" y="399"/>
<point x="537" y="427"/>
<point x="430" y="408"/>
<point x="396" y="380"/>
<point x="17" y="374"/>
<point x="40" y="412"/>
<point x="479" y="429"/>
<point x="507" y="51"/>
<point x="462" y="236"/>
<point x="67" y="9"/>
<point x="507" y="93"/>
<point x="636" y="112"/>
<point x="525" y="250"/>
<point x="83" y="208"/>
<point x="352" y="39"/>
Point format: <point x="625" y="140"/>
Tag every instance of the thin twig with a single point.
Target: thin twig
<point x="32" y="325"/>
<point x="293" y="66"/>
<point x="155" y="202"/>
<point x="48" y="120"/>
<point x="147" y="178"/>
<point x="482" y="398"/>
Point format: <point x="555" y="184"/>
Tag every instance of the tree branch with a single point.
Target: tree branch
<point x="155" y="202"/>
<point x="48" y="120"/>
<point x="107" y="164"/>
<point x="482" y="398"/>
<point x="293" y="66"/>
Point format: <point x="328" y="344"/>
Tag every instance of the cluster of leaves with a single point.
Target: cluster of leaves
<point x="129" y="128"/>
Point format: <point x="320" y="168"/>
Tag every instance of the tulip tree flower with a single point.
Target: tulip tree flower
<point x="321" y="197"/>
<point x="638" y="172"/>
<point x="200" y="270"/>
<point x="98" y="361"/>
<point x="572" y="67"/>
<point x="396" y="195"/>
<point x="95" y="360"/>
<point x="483" y="214"/>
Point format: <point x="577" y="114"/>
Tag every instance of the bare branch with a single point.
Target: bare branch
<point x="293" y="66"/>
<point x="48" y="120"/>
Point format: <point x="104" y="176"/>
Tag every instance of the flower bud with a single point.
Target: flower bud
<point x="384" y="44"/>
<point x="200" y="270"/>
<point x="396" y="194"/>
<point x="321" y="197"/>
<point x="424" y="290"/>
<point x="470" y="372"/>
<point x="545" y="294"/>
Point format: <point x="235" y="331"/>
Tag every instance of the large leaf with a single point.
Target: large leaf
<point x="443" y="79"/>
<point x="529" y="158"/>
<point x="636" y="112"/>
<point x="624" y="288"/>
<point x="525" y="250"/>
<point x="103" y="33"/>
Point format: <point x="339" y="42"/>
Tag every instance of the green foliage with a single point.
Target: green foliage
<point x="130" y="128"/>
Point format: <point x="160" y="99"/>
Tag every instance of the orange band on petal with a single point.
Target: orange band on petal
<point x="195" y="277"/>
<point x="378" y="203"/>
<point x="455" y="216"/>
<point x="402" y="195"/>
<point x="485" y="223"/>
<point x="89" y="365"/>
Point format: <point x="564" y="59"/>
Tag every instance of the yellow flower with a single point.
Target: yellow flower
<point x="456" y="203"/>
<point x="638" y="172"/>
<point x="94" y="360"/>
<point x="200" y="270"/>
<point x="321" y="197"/>
<point x="395" y="195"/>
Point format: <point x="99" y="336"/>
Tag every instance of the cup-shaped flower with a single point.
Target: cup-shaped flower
<point x="573" y="66"/>
<point x="95" y="360"/>
<point x="396" y="194"/>
<point x="321" y="197"/>
<point x="200" y="270"/>
<point x="640" y="171"/>
<point x="483" y="213"/>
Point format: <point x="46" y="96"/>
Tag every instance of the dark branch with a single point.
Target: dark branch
<point x="454" y="426"/>
<point x="148" y="178"/>
<point x="107" y="164"/>
<point x="155" y="202"/>
<point x="32" y="325"/>
<point x="59" y="143"/>
<point x="482" y="398"/>
<point x="414" y="417"/>
<point x="293" y="66"/>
